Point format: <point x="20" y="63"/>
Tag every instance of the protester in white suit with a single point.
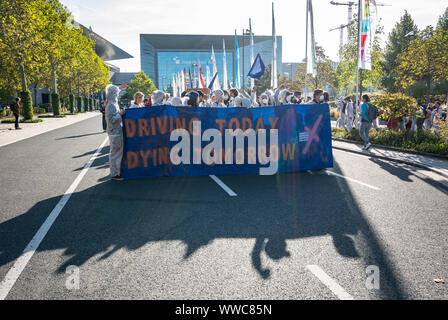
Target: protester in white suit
<point x="114" y="131"/>
<point x="349" y="114"/>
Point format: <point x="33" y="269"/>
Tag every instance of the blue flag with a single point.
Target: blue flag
<point x="258" y="68"/>
<point x="210" y="86"/>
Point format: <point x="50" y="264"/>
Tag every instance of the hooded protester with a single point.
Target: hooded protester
<point x="114" y="131"/>
<point x="283" y="96"/>
<point x="205" y="101"/>
<point x="217" y="98"/>
<point x="246" y="102"/>
<point x="349" y="114"/>
<point x="264" y="100"/>
<point x="185" y="101"/>
<point x="238" y="102"/>
<point x="176" y="102"/>
<point x="157" y="98"/>
<point x="276" y="98"/>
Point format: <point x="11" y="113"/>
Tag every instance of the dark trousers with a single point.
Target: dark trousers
<point x="104" y="122"/>
<point x="17" y="120"/>
<point x="420" y="122"/>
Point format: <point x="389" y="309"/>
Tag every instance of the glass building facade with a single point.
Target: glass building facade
<point x="163" y="56"/>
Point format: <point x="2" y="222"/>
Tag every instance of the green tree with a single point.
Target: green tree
<point x="346" y="71"/>
<point x="264" y="83"/>
<point x="443" y="21"/>
<point x="140" y="83"/>
<point x="398" y="42"/>
<point x="325" y="75"/>
<point x="425" y="60"/>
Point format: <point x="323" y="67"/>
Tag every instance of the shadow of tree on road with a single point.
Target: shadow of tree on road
<point x="114" y="215"/>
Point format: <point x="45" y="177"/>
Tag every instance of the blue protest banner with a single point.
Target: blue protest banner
<point x="194" y="141"/>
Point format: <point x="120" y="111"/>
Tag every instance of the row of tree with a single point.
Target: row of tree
<point x="41" y="47"/>
<point x="414" y="62"/>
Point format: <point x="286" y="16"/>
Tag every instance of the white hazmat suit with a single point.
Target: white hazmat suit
<point x="114" y="130"/>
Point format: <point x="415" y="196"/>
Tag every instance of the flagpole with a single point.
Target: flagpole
<point x="252" y="81"/>
<point x="357" y="55"/>
<point x="306" y="50"/>
<point x="274" y="52"/>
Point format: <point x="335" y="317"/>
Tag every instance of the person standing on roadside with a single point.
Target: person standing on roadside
<point x="16" y="112"/>
<point x="366" y="123"/>
<point x="114" y="130"/>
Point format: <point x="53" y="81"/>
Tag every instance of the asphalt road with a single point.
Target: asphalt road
<point x="186" y="238"/>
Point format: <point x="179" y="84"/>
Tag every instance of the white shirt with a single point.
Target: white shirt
<point x="133" y="106"/>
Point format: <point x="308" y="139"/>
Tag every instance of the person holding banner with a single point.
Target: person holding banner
<point x="157" y="98"/>
<point x="114" y="131"/>
<point x="138" y="100"/>
<point x="217" y="99"/>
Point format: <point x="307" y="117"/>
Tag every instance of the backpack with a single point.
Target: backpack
<point x="373" y="112"/>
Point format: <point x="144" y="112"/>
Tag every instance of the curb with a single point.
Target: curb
<point x="418" y="165"/>
<point x="438" y="156"/>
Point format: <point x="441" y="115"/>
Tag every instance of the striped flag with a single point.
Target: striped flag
<point x="365" y="56"/>
<point x="201" y="75"/>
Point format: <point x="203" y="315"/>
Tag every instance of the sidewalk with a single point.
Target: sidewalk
<point x="434" y="164"/>
<point x="8" y="135"/>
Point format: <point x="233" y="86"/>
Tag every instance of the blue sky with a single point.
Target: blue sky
<point x="121" y="22"/>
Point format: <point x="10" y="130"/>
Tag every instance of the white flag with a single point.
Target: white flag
<point x="365" y="55"/>
<point x="216" y="84"/>
<point x="224" y="63"/>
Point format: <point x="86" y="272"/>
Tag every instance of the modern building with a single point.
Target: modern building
<point x="164" y="55"/>
<point x="290" y="69"/>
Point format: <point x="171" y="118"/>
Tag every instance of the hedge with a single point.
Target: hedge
<point x="86" y="104"/>
<point x="79" y="103"/>
<point x="56" y="104"/>
<point x="26" y="105"/>
<point x="71" y="103"/>
<point x="420" y="140"/>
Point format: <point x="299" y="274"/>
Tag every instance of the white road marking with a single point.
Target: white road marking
<point x="330" y="282"/>
<point x="353" y="180"/>
<point x="21" y="262"/>
<point x="222" y="185"/>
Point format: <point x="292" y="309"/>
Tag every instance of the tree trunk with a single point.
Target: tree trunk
<point x="55" y="83"/>
<point x="22" y="73"/>
<point x="35" y="95"/>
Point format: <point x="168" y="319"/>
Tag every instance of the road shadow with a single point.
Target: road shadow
<point x="81" y="136"/>
<point x="110" y="216"/>
<point x="405" y="172"/>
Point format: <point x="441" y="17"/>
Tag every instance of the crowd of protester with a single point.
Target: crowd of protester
<point x="227" y="98"/>
<point x="112" y="113"/>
